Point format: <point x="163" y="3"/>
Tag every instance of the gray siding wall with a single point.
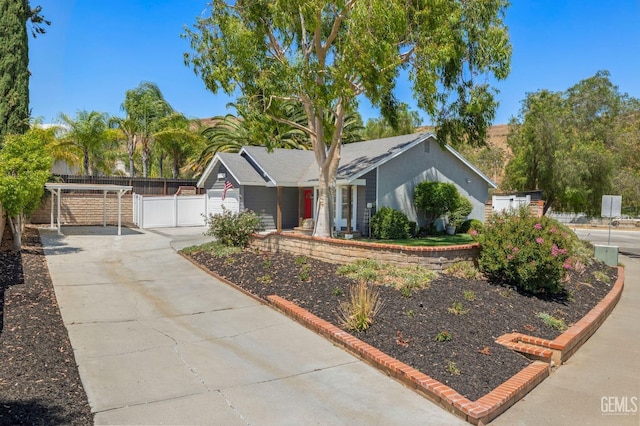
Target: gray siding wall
<point x="263" y="201"/>
<point x="289" y="207"/>
<point x="427" y="161"/>
<point x="371" y="178"/>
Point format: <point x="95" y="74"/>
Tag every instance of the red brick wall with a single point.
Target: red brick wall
<point x="85" y="209"/>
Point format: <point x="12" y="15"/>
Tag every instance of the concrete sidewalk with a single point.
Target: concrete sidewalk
<point x="158" y="341"/>
<point x="600" y="384"/>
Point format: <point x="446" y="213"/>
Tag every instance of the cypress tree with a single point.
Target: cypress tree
<point x="14" y="63"/>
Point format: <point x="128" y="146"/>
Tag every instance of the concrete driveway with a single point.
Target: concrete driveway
<point x="158" y="341"/>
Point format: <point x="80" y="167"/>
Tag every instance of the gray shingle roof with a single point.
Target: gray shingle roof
<point x="241" y="170"/>
<point x="285" y="167"/>
<point x="256" y="165"/>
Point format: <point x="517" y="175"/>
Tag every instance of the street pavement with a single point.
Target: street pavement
<point x="159" y="341"/>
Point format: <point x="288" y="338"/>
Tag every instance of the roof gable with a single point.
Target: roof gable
<point x="255" y="165"/>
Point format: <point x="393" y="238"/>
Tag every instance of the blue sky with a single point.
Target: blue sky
<point x="96" y="50"/>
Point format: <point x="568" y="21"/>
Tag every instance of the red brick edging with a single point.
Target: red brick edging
<point x="564" y="346"/>
<point x="494" y="403"/>
<point x="491" y="405"/>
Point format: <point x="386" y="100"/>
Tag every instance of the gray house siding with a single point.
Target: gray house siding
<point x="371" y="182"/>
<point x="398" y="177"/>
<point x="290" y="207"/>
<point x="263" y="201"/>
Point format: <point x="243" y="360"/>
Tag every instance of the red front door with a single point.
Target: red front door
<point x="308" y="203"/>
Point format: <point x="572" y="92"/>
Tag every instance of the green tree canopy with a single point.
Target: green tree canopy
<point x="14" y="63"/>
<point x="404" y="122"/>
<point x="144" y="106"/>
<point x="25" y="166"/>
<point x="88" y="134"/>
<point x="323" y="55"/>
<point x="564" y="143"/>
<point x="436" y="199"/>
<point x="177" y="140"/>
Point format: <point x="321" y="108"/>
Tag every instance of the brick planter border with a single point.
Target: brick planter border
<point x="340" y="251"/>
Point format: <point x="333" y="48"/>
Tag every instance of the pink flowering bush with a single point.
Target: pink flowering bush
<point x="530" y="253"/>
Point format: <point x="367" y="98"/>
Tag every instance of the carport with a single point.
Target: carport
<point x="56" y="192"/>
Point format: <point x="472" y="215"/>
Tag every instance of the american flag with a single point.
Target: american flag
<point x="227" y="185"/>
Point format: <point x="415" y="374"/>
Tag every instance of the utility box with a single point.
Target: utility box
<point x="607" y="254"/>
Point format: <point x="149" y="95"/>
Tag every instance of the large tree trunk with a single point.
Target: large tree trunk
<point x="324" y="225"/>
<point x="15" y="224"/>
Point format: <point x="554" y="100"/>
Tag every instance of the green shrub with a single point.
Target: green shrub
<point x="436" y="199"/>
<point x="471" y="225"/>
<point x="390" y="224"/>
<point x="532" y="254"/>
<point x="233" y="229"/>
<point x="457" y="216"/>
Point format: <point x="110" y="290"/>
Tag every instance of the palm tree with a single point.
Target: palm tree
<point x="87" y="134"/>
<point x="176" y="139"/>
<point x="129" y="129"/>
<point x="145" y="105"/>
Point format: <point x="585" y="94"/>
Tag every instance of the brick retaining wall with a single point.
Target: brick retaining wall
<point x="85" y="209"/>
<point x="346" y="251"/>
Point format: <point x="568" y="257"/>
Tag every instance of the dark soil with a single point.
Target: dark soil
<point x="39" y="380"/>
<point x="406" y="327"/>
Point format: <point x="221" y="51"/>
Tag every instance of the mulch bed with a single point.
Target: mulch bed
<point x="406" y="327"/>
<point x="39" y="380"/>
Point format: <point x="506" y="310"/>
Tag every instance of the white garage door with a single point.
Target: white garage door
<point x="215" y="202"/>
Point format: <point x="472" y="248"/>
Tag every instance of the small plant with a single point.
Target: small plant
<point x="411" y="313"/>
<point x="551" y="321"/>
<point x="361" y="309"/>
<point x="300" y="260"/>
<point x="453" y="368"/>
<point x="233" y="229"/>
<point x="337" y="291"/>
<point x="601" y="276"/>
<point x="230" y="261"/>
<point x="266" y="264"/>
<point x="457" y="309"/>
<point x="265" y="279"/>
<point x="405" y="291"/>
<point x="443" y="336"/>
<point x="305" y="272"/>
<point x="363" y="270"/>
<point x="469" y="295"/>
<point x="506" y="292"/>
<point x="464" y="269"/>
